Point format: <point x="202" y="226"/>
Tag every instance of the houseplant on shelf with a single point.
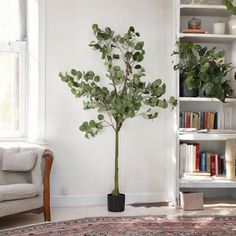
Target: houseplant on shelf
<point x="120" y="94"/>
<point x="204" y="69"/>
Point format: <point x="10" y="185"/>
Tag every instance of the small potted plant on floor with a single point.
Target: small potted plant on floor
<point x="120" y="94"/>
<point x="203" y="69"/>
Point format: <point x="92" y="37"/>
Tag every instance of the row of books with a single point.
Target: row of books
<point x="194" y="162"/>
<point x="199" y="120"/>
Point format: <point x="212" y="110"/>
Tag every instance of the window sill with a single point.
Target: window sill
<point x="22" y="142"/>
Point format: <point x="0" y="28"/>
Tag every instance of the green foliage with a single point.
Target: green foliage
<point x="120" y="94"/>
<point x="125" y="93"/>
<point x="230" y="6"/>
<point x="204" y="69"/>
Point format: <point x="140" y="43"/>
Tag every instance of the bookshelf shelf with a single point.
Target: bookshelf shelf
<point x="204" y="99"/>
<point x="189" y="183"/>
<point x="203" y="10"/>
<point x="206" y="136"/>
<point x="207" y="38"/>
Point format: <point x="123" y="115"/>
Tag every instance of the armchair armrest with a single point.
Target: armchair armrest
<point x="46" y="182"/>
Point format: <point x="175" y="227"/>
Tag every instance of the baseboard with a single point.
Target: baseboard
<point x="94" y="200"/>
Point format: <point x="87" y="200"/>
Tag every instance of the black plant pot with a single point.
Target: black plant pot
<point x="116" y="203"/>
<point x="184" y="91"/>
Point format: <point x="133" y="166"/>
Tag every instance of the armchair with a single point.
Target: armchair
<point x="25" y="181"/>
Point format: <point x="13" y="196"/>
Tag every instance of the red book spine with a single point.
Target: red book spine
<point x="188" y="119"/>
<point x="213" y="165"/>
<point x="219" y="166"/>
<point x="197" y="156"/>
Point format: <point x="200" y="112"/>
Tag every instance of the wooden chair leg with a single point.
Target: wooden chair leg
<point x="46" y="181"/>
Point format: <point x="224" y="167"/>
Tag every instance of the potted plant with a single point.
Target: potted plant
<point x="120" y="94"/>
<point x="230" y="4"/>
<point x="204" y="69"/>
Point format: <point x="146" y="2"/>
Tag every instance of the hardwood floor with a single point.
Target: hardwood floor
<point x="58" y="214"/>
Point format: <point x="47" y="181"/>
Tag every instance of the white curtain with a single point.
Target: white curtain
<point x="12" y="20"/>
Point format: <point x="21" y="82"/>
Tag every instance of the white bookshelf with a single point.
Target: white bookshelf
<point x="210" y="141"/>
<point x="203" y="10"/>
<point x="187" y="183"/>
<point x="204" y="99"/>
<point x="206" y="137"/>
<point x="207" y="38"/>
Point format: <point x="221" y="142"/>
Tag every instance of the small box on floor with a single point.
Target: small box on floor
<point x="191" y="201"/>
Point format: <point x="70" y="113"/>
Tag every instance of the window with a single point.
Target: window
<point x="12" y="68"/>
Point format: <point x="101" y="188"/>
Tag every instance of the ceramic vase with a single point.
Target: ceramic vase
<point x="232" y="25"/>
<point x="219" y="28"/>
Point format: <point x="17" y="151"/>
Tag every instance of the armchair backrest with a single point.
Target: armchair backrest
<point x="14" y="177"/>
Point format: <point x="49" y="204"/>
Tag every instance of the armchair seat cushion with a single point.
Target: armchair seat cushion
<point x="17" y="191"/>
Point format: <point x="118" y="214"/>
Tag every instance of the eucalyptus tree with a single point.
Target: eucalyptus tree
<point x="121" y="93"/>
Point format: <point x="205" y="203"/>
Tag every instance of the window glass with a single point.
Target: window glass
<point x="9" y="93"/>
<point x="9" y="20"/>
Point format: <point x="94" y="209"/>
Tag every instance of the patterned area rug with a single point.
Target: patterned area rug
<point x="130" y="226"/>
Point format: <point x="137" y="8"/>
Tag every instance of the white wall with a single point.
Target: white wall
<point x="84" y="166"/>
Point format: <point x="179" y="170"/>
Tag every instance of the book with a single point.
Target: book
<point x="216" y="164"/>
<point x="203" y="162"/>
<point x="197" y="156"/>
<point x="208" y="162"/>
<point x="213" y="164"/>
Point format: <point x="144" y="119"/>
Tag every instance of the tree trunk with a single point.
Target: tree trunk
<point x="116" y="175"/>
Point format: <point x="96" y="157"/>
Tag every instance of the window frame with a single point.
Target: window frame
<point x="18" y="47"/>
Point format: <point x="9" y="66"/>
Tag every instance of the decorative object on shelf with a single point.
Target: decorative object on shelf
<point x="121" y="95"/>
<point x="191" y="201"/>
<point x="194" y="31"/>
<point x="194" y="23"/>
<point x="204" y="69"/>
<point x="230" y="152"/>
<point x="231" y="6"/>
<point x="219" y="28"/>
<point x="184" y="91"/>
<point x="232" y="25"/>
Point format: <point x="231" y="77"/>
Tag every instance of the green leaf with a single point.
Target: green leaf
<point x="74" y="72"/>
<point x="138" y="56"/>
<point x="116" y="56"/>
<point x="96" y="78"/>
<point x="79" y="74"/>
<point x="82" y="128"/>
<point x="138" y="67"/>
<point x="131" y="29"/>
<point x="92" y="124"/>
<point x="139" y="46"/>
<point x="100" y="117"/>
<point x="145" y="116"/>
<point x="95" y="27"/>
<point x="208" y="87"/>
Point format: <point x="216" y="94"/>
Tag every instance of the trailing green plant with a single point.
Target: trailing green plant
<point x="121" y="94"/>
<point x="230" y="6"/>
<point x="204" y="69"/>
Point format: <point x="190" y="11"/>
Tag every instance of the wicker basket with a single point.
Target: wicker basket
<point x="191" y="201"/>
